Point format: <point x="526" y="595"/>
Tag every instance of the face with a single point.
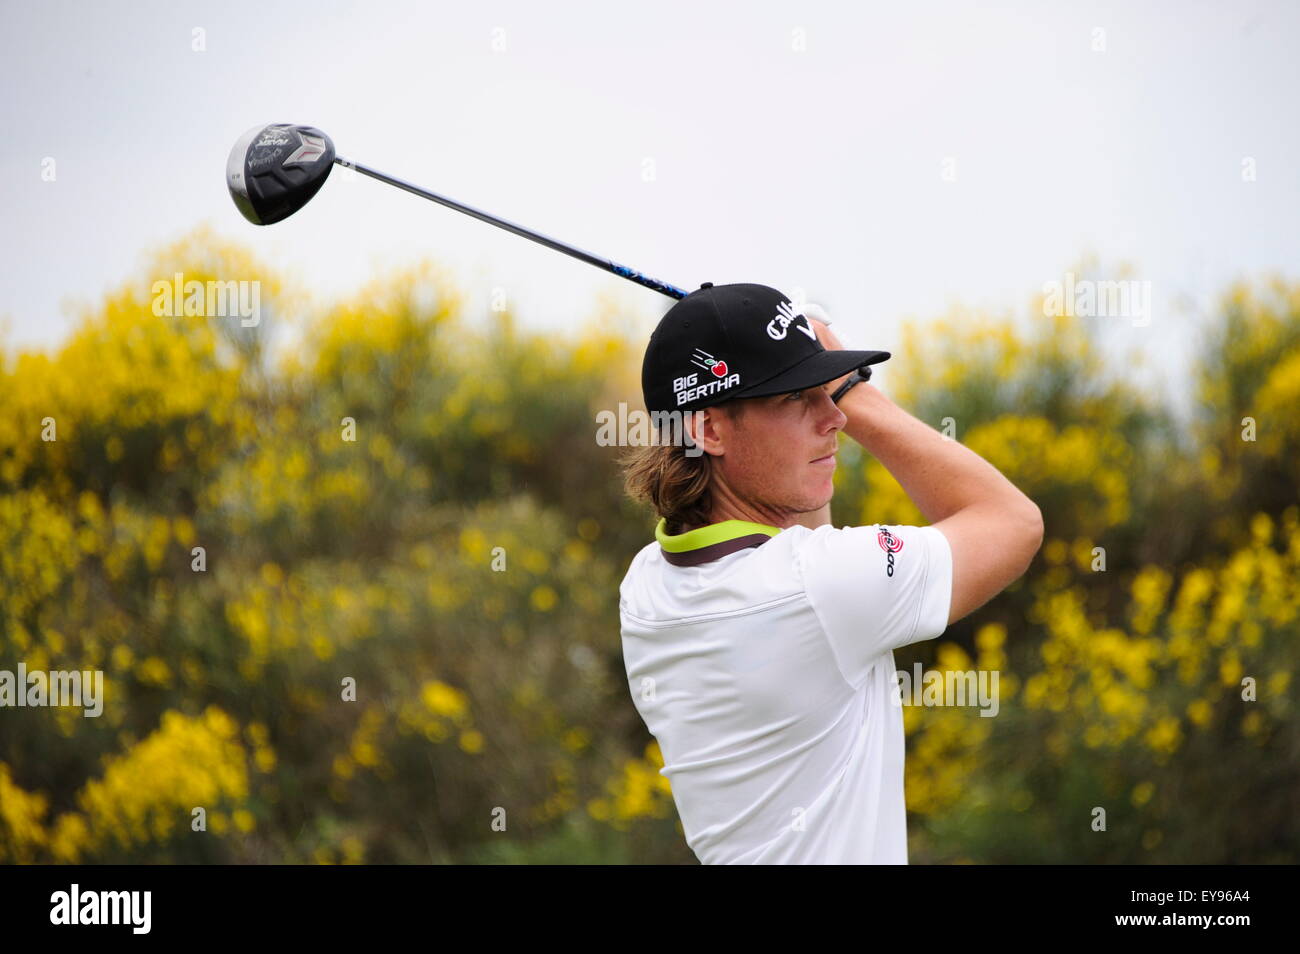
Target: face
<point x="775" y="458"/>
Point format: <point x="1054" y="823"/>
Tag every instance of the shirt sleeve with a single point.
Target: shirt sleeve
<point x="876" y="589"/>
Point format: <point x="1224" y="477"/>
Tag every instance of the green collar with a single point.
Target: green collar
<point x="704" y="544"/>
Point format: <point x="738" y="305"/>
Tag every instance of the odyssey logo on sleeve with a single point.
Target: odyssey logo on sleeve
<point x="891" y="545"/>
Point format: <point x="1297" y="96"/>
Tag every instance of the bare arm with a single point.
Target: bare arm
<point x="994" y="530"/>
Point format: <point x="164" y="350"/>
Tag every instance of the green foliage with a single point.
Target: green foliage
<point x="411" y="504"/>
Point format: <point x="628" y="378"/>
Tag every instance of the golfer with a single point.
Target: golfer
<point x="758" y="639"/>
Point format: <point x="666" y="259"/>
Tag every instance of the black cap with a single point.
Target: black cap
<point x="737" y="341"/>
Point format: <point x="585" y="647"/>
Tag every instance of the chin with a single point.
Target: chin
<point x="817" y="497"/>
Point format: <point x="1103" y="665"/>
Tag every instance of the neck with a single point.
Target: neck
<point x="728" y="508"/>
<point x="752" y="513"/>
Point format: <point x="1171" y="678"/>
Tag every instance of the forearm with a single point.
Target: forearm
<point x="940" y="475"/>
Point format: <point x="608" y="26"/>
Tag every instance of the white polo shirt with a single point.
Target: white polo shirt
<point x="762" y="661"/>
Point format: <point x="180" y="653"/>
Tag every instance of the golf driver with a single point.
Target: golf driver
<point x="275" y="170"/>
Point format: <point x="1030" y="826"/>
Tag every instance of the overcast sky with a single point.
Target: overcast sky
<point x="890" y="160"/>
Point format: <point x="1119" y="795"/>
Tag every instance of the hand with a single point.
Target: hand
<point x="820" y="322"/>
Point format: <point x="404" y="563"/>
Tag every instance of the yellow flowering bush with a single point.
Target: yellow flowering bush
<point x="350" y="577"/>
<point x="1195" y="684"/>
<point x="145" y="800"/>
<point x="1247" y="389"/>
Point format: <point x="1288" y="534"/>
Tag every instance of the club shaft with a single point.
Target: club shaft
<point x="608" y="265"/>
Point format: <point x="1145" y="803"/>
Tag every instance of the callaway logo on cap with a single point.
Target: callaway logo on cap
<point x="737" y="341"/>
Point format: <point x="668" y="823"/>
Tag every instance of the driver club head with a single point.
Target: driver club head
<point x="274" y="170"/>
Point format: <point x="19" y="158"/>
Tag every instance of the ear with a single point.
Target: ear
<point x="708" y="429"/>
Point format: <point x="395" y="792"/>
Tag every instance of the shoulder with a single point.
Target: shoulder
<point x="888" y="547"/>
<point x="643" y="560"/>
<point x="640" y="559"/>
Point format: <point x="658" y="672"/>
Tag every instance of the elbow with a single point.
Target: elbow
<point x="1030" y="522"/>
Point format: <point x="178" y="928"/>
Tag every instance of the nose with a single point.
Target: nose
<point x="830" y="412"/>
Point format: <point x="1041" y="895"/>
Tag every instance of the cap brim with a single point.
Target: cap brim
<point x="813" y="371"/>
